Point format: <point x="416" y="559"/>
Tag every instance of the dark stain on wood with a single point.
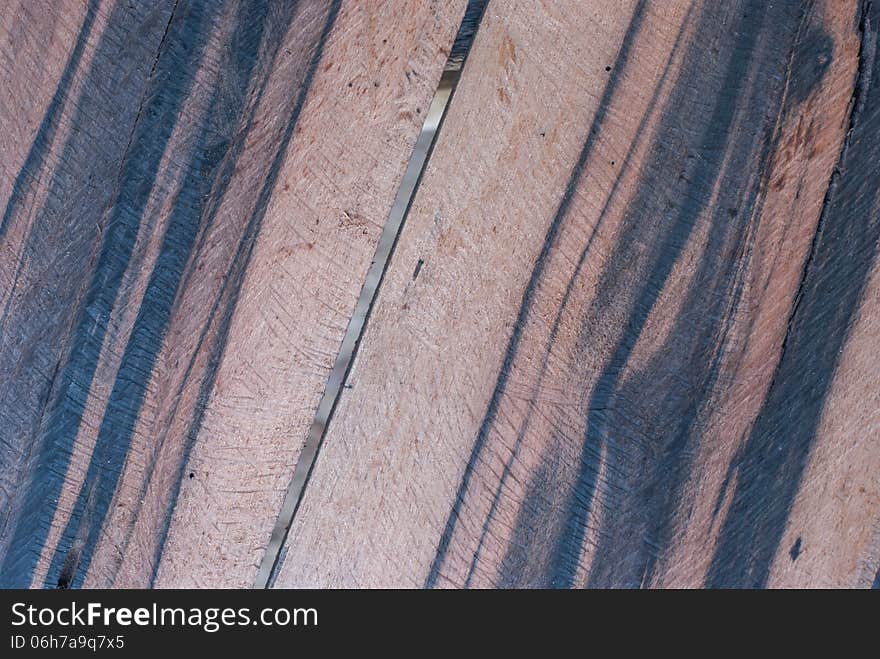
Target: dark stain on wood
<point x="35" y="161"/>
<point x="219" y="137"/>
<point x="776" y="56"/>
<point x="843" y="254"/>
<point x="795" y="550"/>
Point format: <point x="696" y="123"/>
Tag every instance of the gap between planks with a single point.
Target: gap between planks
<point x="273" y="557"/>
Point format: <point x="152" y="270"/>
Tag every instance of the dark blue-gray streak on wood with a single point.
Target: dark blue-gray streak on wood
<point x="678" y="386"/>
<point x="520" y="552"/>
<point x="527" y="302"/>
<point x="168" y="89"/>
<point x="532" y="511"/>
<point x="34" y="332"/>
<point x="782" y="43"/>
<point x="212" y="159"/>
<point x="771" y="465"/>
<point x="224" y="306"/>
<point x="728" y="136"/>
<point x="251" y="22"/>
<point x="223" y="128"/>
<point x="35" y="160"/>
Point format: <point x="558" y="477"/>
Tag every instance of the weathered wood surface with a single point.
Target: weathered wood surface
<point x="192" y="193"/>
<point x="629" y="334"/>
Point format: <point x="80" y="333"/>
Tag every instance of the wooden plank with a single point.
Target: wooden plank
<point x="74" y="75"/>
<point x="626" y="338"/>
<point x="208" y="301"/>
<point x="814" y="448"/>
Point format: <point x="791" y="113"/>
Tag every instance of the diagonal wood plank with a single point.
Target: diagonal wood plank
<point x="626" y="336"/>
<point x="74" y="75"/>
<point x="195" y="304"/>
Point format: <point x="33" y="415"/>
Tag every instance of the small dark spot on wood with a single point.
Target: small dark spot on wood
<point x="376" y="83"/>
<point x="192" y="474"/>
<point x="348" y="386"/>
<point x="418" y="269"/>
<point x="418" y="110"/>
<point x="384" y="40"/>
<point x="607" y="68"/>
<point x="350" y="84"/>
<point x="68" y="568"/>
<point x="612" y="163"/>
<point x="543" y="134"/>
<point x="795" y="550"/>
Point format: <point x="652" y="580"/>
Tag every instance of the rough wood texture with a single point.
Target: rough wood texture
<point x="628" y="337"/>
<point x="192" y="193"/>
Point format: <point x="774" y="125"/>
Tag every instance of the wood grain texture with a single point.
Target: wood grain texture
<point x="628" y="336"/>
<point x="192" y="191"/>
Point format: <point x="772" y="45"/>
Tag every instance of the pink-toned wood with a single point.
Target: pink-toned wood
<point x="198" y="308"/>
<point x="372" y="87"/>
<point x="627" y="336"/>
<point x="589" y="363"/>
<point x="73" y="78"/>
<point x="835" y="520"/>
